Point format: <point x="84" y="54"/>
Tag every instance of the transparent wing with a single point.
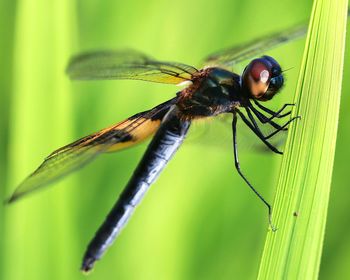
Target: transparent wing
<point x="127" y="64"/>
<point x="216" y="134"/>
<point x="73" y="156"/>
<point x="231" y="56"/>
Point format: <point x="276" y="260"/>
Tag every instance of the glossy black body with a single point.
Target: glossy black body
<point x="213" y="91"/>
<point x="167" y="140"/>
<point x="210" y="91"/>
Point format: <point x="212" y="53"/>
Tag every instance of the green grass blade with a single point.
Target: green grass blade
<point x="40" y="120"/>
<point x="294" y="251"/>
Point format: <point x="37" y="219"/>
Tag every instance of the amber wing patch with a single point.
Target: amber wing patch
<point x="75" y="155"/>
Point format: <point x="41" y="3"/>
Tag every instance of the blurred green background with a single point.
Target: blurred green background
<point x="199" y="220"/>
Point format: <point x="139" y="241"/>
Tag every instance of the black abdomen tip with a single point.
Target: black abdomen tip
<point x="88" y="263"/>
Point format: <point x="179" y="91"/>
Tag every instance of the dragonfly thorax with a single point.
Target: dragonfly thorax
<point x="214" y="91"/>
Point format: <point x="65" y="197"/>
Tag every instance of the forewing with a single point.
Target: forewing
<point x="127" y="64"/>
<point x="231" y="56"/>
<point x="73" y="156"/>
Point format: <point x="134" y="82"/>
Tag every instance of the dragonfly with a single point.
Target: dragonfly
<point x="209" y="92"/>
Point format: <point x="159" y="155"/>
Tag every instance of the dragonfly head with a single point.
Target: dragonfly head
<point x="262" y="78"/>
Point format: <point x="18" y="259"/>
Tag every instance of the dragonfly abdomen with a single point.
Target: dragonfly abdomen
<point x="161" y="149"/>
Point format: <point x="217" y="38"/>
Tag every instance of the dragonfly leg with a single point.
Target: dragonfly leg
<point x="282" y="127"/>
<point x="258" y="133"/>
<point x="277" y="126"/>
<point x="238" y="168"/>
<point x="272" y="113"/>
<point x="263" y="119"/>
<point x="252" y="119"/>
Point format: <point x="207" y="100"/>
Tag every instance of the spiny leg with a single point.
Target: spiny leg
<point x="273" y="113"/>
<point x="252" y="119"/>
<point x="258" y="133"/>
<point x="238" y="168"/>
<point x="281" y="128"/>
<point x="263" y="119"/>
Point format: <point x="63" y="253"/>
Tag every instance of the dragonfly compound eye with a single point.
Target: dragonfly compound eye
<point x="262" y="78"/>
